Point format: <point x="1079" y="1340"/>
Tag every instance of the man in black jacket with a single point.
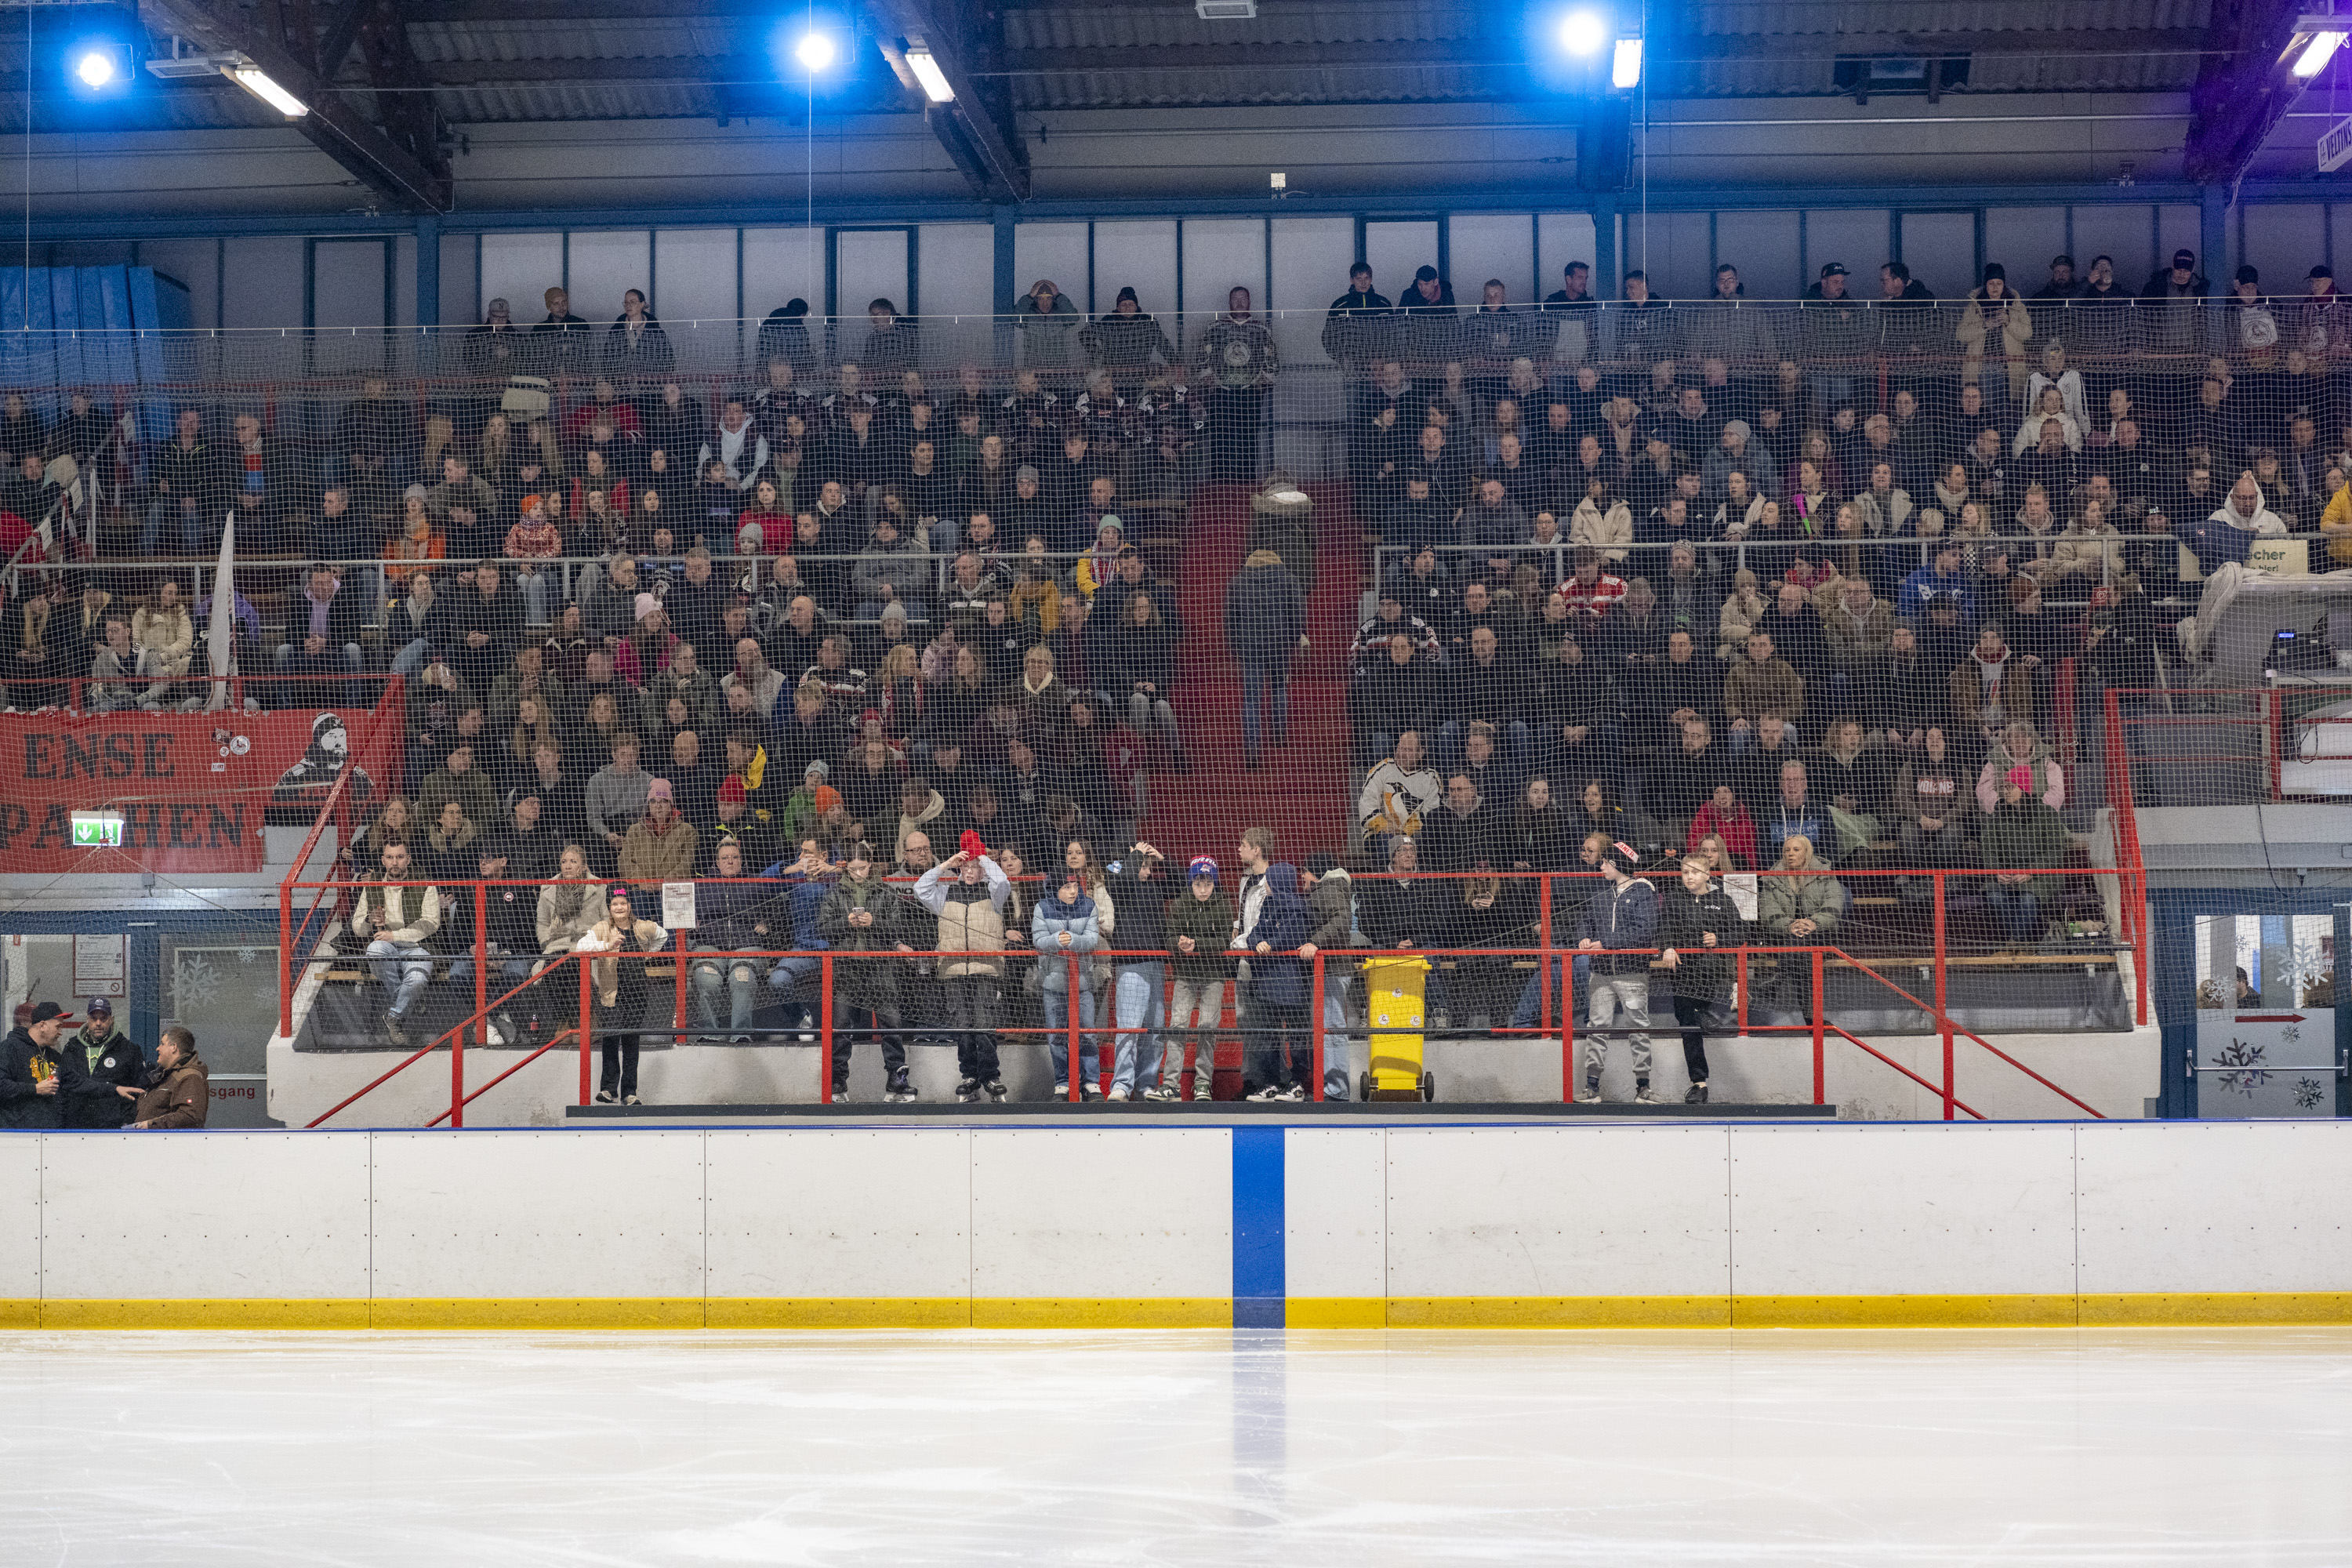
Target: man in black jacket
<point x="37" y="1079"/>
<point x="322" y="628"/>
<point x="1491" y="686"/>
<point x="1460" y="834"/>
<point x="1390" y="694"/>
<point x="110" y="1061"/>
<point x="486" y="626"/>
<point x="186" y="483"/>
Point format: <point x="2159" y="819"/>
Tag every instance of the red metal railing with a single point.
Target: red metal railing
<point x="1548" y="951"/>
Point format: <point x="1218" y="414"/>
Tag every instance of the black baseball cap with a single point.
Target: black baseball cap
<point x="1835" y="269"/>
<point x="49" y="1010"/>
<point x="2184" y="258"/>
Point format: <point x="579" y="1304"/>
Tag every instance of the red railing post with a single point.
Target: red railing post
<point x="585" y="1066"/>
<point x="1943" y="1014"/>
<point x="1543" y="960"/>
<point x="1821" y="1072"/>
<point x="1078" y="1095"/>
<point x="481" y="1004"/>
<point x="825" y="1031"/>
<point x="1317" y="1003"/>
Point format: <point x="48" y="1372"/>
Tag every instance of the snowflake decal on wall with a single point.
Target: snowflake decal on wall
<point x="247" y="954"/>
<point x="2308" y="1092"/>
<point x="199" y="982"/>
<point x="2291" y="1035"/>
<point x="2248" y="1073"/>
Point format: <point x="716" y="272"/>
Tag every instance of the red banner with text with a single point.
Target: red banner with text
<point x="191" y="790"/>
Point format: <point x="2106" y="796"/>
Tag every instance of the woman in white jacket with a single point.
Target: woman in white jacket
<point x="164" y="635"/>
<point x="1602" y="522"/>
<point x="618" y="981"/>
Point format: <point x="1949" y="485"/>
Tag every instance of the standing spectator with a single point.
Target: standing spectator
<point x="1236" y="359"/>
<point x="1618" y="927"/>
<point x="1064" y="928"/>
<point x="178" y="1091"/>
<point x="38" y="1079"/>
<point x="396" y="917"/>
<point x="1200" y="927"/>
<point x="968" y="892"/>
<point x="620" y="991"/>
<point x="862" y="915"/>
<point x="1266" y="619"/>
<point x="1048" y="320"/>
<point x="1330" y="899"/>
<point x="1140" y="888"/>
<point x="1272" y="923"/>
<point x="112" y="1068"/>
<point x="1700" y="917"/>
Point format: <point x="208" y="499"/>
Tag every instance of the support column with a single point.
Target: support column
<point x="428" y="283"/>
<point x="1604" y="246"/>
<point x="2212" y="239"/>
<point x="1007" y="286"/>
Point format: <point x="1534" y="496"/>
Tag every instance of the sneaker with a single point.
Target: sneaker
<point x="1592" y="1095"/>
<point x="807" y="1038"/>
<point x="1642" y="1096"/>
<point x="492" y="1035"/>
<point x="1270" y="1092"/>
<point x="1296" y="1093"/>
<point x="739" y="1039"/>
<point x="841" y="1094"/>
<point x="1697" y="1095"/>
<point x="392" y="1031"/>
<point x="606" y="1097"/>
<point x="1204" y="1087"/>
<point x="994" y="1089"/>
<point x="1160" y="1092"/>
<point x="631" y="1099"/>
<point x="968" y="1091"/>
<point x="1444" y="1020"/>
<point x="1093" y="1090"/>
<point x="901" y="1089"/>
<point x="1120" y="1091"/>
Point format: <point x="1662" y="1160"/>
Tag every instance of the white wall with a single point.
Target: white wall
<point x="1426" y="1224"/>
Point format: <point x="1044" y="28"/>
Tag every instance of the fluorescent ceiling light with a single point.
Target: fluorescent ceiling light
<point x="255" y="80"/>
<point x="927" y="71"/>
<point x="1582" y="32"/>
<point x="1627" y="70"/>
<point x="2316" y="54"/>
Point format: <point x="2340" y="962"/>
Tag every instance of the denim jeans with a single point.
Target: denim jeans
<point x="2016" y="911"/>
<point x="1266" y="684"/>
<point x="410" y="659"/>
<point x="1139" y="991"/>
<point x="1274" y="1050"/>
<point x="798" y="980"/>
<point x="400" y="968"/>
<point x="1196" y="1011"/>
<point x="741" y="980"/>
<point x="1057" y="1018"/>
<point x="1338" y="1050"/>
<point x="1609" y="992"/>
<point x="536" y="585"/>
<point x="1143" y="712"/>
<point x="1529" y="1014"/>
<point x="510" y="972"/>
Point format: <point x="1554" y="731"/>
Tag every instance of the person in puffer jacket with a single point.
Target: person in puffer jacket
<point x="1064" y="927"/>
<point x="968" y="891"/>
<point x="1622" y="916"/>
<point x="732" y="916"/>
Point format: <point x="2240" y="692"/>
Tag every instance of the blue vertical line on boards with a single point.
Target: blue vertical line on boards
<point x="1259" y="1223"/>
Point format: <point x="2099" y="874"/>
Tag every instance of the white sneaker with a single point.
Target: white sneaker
<point x="1590" y="1095"/>
<point x="1272" y="1092"/>
<point x="1120" y="1091"/>
<point x="1643" y="1096"/>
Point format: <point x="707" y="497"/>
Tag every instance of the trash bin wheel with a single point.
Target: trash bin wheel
<point x="1363" y="1088"/>
<point x="1428" y="1087"/>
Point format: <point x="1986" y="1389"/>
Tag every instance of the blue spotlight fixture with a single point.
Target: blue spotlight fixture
<point x="1583" y="32"/>
<point x="815" y="52"/>
<point x="99" y="66"/>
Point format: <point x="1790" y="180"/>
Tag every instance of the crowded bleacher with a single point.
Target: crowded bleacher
<point x="1821" y="588"/>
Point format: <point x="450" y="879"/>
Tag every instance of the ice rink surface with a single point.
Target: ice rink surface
<point x="1812" y="1447"/>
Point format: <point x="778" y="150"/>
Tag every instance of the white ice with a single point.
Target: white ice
<point x="1807" y="1446"/>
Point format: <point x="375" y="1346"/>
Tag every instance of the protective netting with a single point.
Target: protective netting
<point x="1492" y="581"/>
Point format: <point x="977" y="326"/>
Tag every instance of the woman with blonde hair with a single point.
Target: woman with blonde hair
<point x="617" y="978"/>
<point x="535" y="726"/>
<point x="1799" y="903"/>
<point x="165" y="636"/>
<point x="395" y="824"/>
<point x="1741" y="612"/>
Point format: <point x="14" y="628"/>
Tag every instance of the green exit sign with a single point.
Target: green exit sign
<point x="98" y="829"/>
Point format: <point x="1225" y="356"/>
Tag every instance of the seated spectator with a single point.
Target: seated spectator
<point x="1854" y="780"/>
<point x="449" y="852"/>
<point x="331" y="617"/>
<point x="1590" y="593"/>
<point x="533" y="845"/>
<point x="1802" y="906"/>
<point x="2024" y="844"/>
<point x="1724" y="817"/>
<point x="1488" y="687"/>
<point x="457" y="781"/>
<point x="843" y="683"/>
<point x="1540" y="834"/>
<point x="1990" y="687"/>
<point x="1763" y="684"/>
<point x="1579" y="717"/>
<point x="614" y="800"/>
<point x="1399" y="792"/>
<point x="1795" y="812"/>
<point x="763" y="684"/>
<point x="511" y="936"/>
<point x="533" y="539"/>
<point x="1742" y="612"/>
<point x="892" y="569"/>
<point x="395" y="916"/>
<point x="1939" y="812"/>
<point x="660" y="845"/>
<point x="1139" y="671"/>
<point x="111" y="667"/>
<point x="731" y="917"/>
<point x="1462" y="834"/>
<point x="2017" y="745"/>
<point x="165" y="636"/>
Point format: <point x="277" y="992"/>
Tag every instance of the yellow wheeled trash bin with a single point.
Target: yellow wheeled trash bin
<point x="1392" y="1006"/>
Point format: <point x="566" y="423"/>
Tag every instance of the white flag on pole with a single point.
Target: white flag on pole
<point x="220" y="632"/>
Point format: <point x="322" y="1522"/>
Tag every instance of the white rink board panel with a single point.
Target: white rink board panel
<point x="885" y="1213"/>
<point x="203" y="1215"/>
<point x="1543" y="1211"/>
<point x="1335" y="1208"/>
<point x="539" y="1214"/>
<point x="2215" y="1206"/>
<point x="20" y="1218"/>
<point x="1901" y="1211"/>
<point x="1116" y="1213"/>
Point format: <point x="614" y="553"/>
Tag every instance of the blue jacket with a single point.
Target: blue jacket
<point x="1280" y="982"/>
<point x="1052" y="918"/>
<point x="1625" y="916"/>
<point x="805" y="899"/>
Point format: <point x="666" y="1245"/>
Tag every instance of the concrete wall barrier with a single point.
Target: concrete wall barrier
<point x="1392" y="1225"/>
